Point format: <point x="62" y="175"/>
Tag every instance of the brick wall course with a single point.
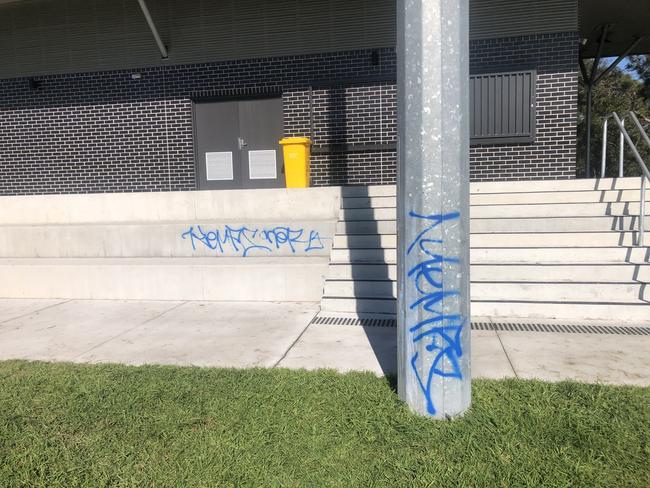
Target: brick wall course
<point x="108" y="132"/>
<point x="553" y="154"/>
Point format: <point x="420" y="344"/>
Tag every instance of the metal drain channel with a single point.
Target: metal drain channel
<point x="499" y="326"/>
<point x="324" y="320"/>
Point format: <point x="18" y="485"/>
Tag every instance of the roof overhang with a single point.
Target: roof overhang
<point x="627" y="21"/>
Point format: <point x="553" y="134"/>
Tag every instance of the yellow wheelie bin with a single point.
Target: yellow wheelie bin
<point x="296" y="161"/>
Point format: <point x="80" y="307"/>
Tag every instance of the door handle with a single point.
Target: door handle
<point x="242" y="143"/>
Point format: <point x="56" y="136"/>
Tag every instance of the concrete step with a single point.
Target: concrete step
<point x="555" y="185"/>
<point x="368" y="202"/>
<point x="585" y="273"/>
<point x="492" y="291"/>
<point x="606" y="196"/>
<point x="511" y="224"/>
<point x="504" y="240"/>
<point x="524" y="186"/>
<point x="368" y="191"/>
<point x="554" y="239"/>
<point x="223" y="279"/>
<point x="557" y="210"/>
<point x="352" y="305"/>
<point x="623" y="313"/>
<point x="360" y="288"/>
<point x="633" y="313"/>
<point x="504" y="224"/>
<point x="368" y="214"/>
<point x="513" y="211"/>
<point x="635" y="293"/>
<point x="555" y="224"/>
<point x="614" y="255"/>
<point x="506" y="197"/>
<point x="510" y="199"/>
<point x="383" y="241"/>
<point x="364" y="256"/>
<point x="377" y="271"/>
<point x="554" y="273"/>
<point x="367" y="227"/>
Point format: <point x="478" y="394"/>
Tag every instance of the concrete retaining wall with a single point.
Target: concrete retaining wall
<point x="259" y="245"/>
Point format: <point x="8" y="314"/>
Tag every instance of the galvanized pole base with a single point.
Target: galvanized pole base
<point x="433" y="207"/>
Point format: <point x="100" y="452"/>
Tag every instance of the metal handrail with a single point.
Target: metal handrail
<point x="645" y="177"/>
<point x="621" y="148"/>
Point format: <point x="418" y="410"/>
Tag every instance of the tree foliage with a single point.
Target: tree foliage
<point x="621" y="93"/>
<point x="641" y="64"/>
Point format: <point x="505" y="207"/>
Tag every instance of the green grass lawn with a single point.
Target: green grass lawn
<point x="67" y="425"/>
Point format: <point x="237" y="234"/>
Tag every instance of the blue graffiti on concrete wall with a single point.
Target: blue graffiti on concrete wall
<point x="245" y="241"/>
<point x="441" y="331"/>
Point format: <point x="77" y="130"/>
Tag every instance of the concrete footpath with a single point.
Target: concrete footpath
<point x="240" y="334"/>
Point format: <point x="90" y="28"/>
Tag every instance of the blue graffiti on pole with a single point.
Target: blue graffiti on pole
<point x="244" y="241"/>
<point x="441" y="331"/>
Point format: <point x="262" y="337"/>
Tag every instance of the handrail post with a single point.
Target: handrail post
<point x="628" y="139"/>
<point x="603" y="161"/>
<point x="644" y="169"/>
<point x="621" y="150"/>
<point x="640" y="241"/>
<point x="644" y="134"/>
<point x="644" y="180"/>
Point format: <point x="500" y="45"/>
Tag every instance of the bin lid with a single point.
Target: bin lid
<point x="295" y="140"/>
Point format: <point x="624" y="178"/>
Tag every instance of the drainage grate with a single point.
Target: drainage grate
<point x="498" y="326"/>
<point x="569" y="328"/>
<point x="362" y="321"/>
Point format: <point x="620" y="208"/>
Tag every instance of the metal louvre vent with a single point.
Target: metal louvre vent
<point x="321" y="319"/>
<point x="262" y="165"/>
<point x="502" y="107"/>
<point x="218" y="166"/>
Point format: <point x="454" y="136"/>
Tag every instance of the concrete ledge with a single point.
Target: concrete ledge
<point x="234" y="205"/>
<point x="291" y="279"/>
<point x="158" y="239"/>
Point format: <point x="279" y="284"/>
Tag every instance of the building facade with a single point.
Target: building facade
<point x="87" y="104"/>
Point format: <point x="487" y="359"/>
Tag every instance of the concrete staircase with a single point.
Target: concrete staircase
<point x="549" y="249"/>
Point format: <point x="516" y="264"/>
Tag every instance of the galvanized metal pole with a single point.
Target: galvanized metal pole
<point x="433" y="207"/>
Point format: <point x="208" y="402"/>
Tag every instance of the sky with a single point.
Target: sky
<point x="624" y="65"/>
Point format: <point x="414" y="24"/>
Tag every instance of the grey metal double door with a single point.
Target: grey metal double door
<point x="237" y="144"/>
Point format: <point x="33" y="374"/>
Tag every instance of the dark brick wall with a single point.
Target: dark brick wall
<point x="359" y="115"/>
<point x="108" y="132"/>
<point x="553" y="154"/>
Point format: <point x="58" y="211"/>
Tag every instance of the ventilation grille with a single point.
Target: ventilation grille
<point x="499" y="326"/>
<point x="502" y="107"/>
<point x="262" y="165"/>
<point x="218" y="166"/>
